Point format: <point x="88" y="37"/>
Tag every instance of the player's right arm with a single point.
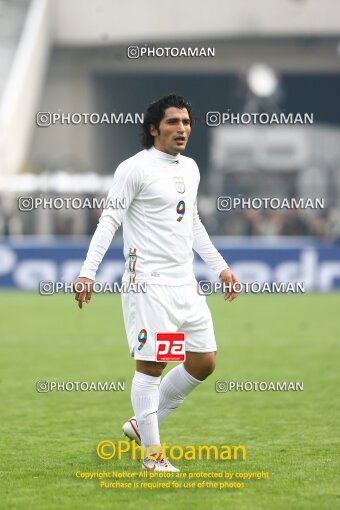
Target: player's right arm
<point x="125" y="186"/>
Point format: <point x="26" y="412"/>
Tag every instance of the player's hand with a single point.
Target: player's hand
<point x="228" y="278"/>
<point x="83" y="288"/>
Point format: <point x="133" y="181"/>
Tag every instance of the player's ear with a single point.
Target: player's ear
<point x="153" y="130"/>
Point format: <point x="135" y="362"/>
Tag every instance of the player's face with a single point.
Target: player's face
<point x="174" y="131"/>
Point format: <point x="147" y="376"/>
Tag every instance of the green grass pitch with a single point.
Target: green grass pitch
<point x="46" y="438"/>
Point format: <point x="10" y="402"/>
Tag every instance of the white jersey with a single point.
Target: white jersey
<point x="161" y="225"/>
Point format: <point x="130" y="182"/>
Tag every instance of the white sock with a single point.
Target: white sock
<point x="145" y="401"/>
<point x="175" y="386"/>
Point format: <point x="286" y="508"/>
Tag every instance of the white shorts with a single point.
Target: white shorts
<point x="164" y="308"/>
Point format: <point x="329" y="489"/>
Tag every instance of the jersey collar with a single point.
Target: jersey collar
<point x="163" y="155"/>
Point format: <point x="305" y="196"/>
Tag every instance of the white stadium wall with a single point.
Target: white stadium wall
<point x="122" y="21"/>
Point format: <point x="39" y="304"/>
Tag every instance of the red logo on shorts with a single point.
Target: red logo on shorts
<point x="170" y="347"/>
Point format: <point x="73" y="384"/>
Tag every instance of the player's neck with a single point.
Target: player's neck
<point x="164" y="155"/>
<point x="161" y="149"/>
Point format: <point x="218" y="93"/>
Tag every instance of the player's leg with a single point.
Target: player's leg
<point x="144" y="315"/>
<point x="179" y="382"/>
<point x="200" y="362"/>
<point x="145" y="401"/>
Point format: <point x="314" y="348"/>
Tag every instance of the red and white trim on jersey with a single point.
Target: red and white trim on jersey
<point x="132" y="264"/>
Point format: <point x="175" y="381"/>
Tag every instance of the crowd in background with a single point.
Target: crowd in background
<point x="322" y="224"/>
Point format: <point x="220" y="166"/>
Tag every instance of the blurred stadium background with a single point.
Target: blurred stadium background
<point x="71" y="56"/>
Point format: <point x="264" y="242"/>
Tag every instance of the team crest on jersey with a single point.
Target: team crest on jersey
<point x="179" y="184"/>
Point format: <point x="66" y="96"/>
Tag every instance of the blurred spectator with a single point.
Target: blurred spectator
<point x="267" y="224"/>
<point x="335" y="225"/>
<point x="295" y="224"/>
<point x="321" y="225"/>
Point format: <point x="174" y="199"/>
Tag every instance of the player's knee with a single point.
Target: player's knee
<point x="209" y="367"/>
<point x="153" y="368"/>
<point x="158" y="369"/>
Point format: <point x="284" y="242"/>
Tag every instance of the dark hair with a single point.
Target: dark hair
<point x="155" y="113"/>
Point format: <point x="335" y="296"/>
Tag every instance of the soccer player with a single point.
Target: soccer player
<point x="161" y="227"/>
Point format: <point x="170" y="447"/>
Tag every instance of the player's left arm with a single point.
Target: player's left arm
<point x="229" y="279"/>
<point x="207" y="251"/>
